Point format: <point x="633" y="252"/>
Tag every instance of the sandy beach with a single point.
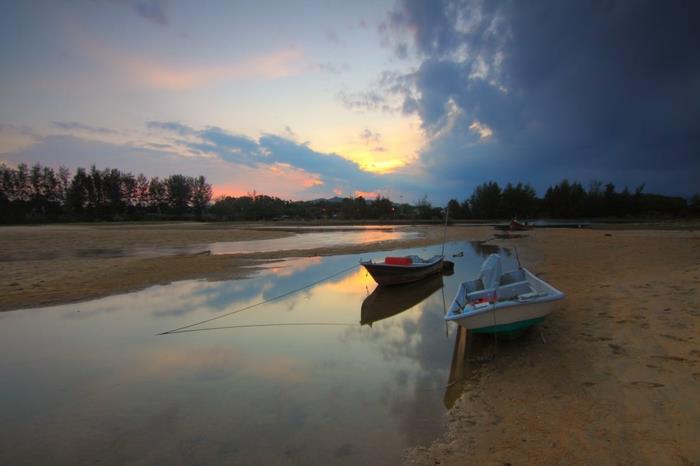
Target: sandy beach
<point x="612" y="377"/>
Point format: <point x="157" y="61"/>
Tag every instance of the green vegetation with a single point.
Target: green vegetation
<point x="40" y="194"/>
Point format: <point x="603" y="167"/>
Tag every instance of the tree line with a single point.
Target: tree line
<point x="262" y="207"/>
<point x="569" y="200"/>
<point x="488" y="201"/>
<point x="41" y="194"/>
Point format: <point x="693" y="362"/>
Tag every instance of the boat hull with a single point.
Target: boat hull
<point x="517" y="226"/>
<point x="390" y="275"/>
<point x="507" y="319"/>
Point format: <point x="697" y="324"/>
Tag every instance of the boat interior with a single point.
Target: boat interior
<point x="513" y="285"/>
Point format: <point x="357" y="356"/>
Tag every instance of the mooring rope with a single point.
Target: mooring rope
<point x="279" y="324"/>
<point x="260" y="303"/>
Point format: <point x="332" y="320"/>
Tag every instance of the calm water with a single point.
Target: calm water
<point x="93" y="382"/>
<point x="313" y="240"/>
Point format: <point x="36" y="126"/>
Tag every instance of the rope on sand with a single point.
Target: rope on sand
<point x="260" y="303"/>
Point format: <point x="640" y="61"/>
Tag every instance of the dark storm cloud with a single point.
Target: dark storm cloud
<point x="569" y="89"/>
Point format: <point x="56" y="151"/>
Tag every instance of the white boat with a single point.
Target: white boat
<point x="502" y="303"/>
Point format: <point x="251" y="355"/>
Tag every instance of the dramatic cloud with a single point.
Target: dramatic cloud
<point x="234" y="164"/>
<point x="333" y="171"/>
<point x="545" y="90"/>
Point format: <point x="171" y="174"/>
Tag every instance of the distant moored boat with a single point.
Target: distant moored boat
<point x="518" y="226"/>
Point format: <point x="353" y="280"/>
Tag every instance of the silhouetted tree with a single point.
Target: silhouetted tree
<point x="360" y="207"/>
<point x="466" y="209"/>
<point x="454" y="209"/>
<point x="179" y="192"/>
<point x="201" y="195"/>
<point x="424" y="207"/>
<point x="486" y="200"/>
<point x="565" y="200"/>
<point x="381" y="208"/>
<point x="41" y="193"/>
<point x="518" y="201"/>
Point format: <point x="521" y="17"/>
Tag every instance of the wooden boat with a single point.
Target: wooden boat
<point x="502" y="303"/>
<point x="386" y="302"/>
<point x="518" y="226"/>
<point x="399" y="270"/>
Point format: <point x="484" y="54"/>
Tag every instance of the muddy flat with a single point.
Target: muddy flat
<point x="57" y="264"/>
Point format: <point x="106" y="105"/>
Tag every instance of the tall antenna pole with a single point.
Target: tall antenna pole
<point x="444" y="231"/>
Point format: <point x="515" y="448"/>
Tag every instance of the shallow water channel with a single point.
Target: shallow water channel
<point x="315" y="377"/>
<point x="323" y="238"/>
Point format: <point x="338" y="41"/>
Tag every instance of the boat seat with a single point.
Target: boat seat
<point x="503" y="292"/>
<point x="398" y="260"/>
<point x="512" y="276"/>
<point x="529" y="296"/>
<point x="514" y="290"/>
<point x="481" y="294"/>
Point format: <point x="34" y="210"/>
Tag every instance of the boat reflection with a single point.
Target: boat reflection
<point x="454" y="382"/>
<point x="387" y="302"/>
<point x="470" y="350"/>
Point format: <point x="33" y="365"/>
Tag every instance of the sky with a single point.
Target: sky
<point x="311" y="99"/>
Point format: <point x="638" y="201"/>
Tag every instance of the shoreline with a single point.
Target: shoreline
<point x="611" y="377"/>
<point x="65" y="275"/>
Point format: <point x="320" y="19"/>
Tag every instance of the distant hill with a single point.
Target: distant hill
<point x="334" y="199"/>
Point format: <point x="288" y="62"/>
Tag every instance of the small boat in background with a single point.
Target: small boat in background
<point x="399" y="270"/>
<point x="385" y="302"/>
<point x="502" y="303"/>
<point x="518" y="226"/>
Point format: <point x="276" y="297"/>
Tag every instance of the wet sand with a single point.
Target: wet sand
<point x="612" y="377"/>
<point x="57" y="264"/>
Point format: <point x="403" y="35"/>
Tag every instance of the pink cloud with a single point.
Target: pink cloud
<point x="273" y="65"/>
<point x="366" y="194"/>
<point x="155" y="72"/>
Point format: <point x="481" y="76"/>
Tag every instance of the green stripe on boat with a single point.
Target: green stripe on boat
<point x="507" y="328"/>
